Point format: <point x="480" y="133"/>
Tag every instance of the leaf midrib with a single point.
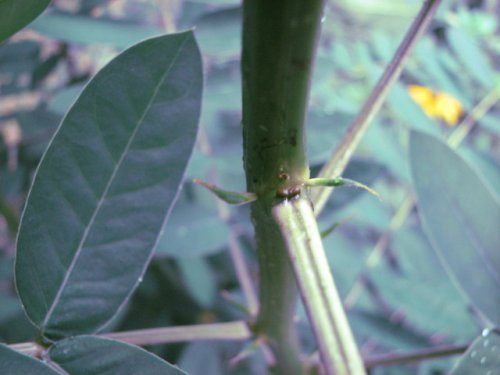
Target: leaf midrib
<point x="106" y="189"/>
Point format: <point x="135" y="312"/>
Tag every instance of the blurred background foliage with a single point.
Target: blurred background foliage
<point x="397" y="293"/>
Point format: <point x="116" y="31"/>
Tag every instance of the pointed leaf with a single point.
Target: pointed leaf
<point x="90" y="355"/>
<point x="15" y="14"/>
<point x="230" y="197"/>
<point x="482" y="357"/>
<point x="460" y="215"/>
<point x="105" y="185"/>
<point x="15" y="363"/>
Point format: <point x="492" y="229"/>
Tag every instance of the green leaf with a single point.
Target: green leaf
<point x="106" y="184"/>
<point x="15" y="14"/>
<point x="15" y="363"/>
<point x="81" y="29"/>
<point x="90" y="355"/>
<point x="482" y="357"/>
<point x="460" y="215"/>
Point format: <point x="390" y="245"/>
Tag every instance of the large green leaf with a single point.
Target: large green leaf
<point x="105" y="185"/>
<point x="482" y="357"/>
<point x="15" y="363"/>
<point x="90" y="355"/>
<point x="460" y="215"/>
<point x="15" y="14"/>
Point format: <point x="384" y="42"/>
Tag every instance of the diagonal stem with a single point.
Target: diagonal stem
<point x="337" y="347"/>
<point x="342" y="154"/>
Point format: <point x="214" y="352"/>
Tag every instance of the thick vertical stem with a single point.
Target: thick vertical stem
<point x="279" y="40"/>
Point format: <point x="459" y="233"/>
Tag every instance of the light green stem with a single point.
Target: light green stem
<point x="336" y="344"/>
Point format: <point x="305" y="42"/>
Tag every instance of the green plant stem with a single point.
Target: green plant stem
<point x="237" y="330"/>
<point x="229" y="331"/>
<point x="336" y="343"/>
<point x="335" y="166"/>
<point x="279" y="40"/>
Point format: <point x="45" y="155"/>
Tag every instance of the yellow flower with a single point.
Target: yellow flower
<point x="438" y="105"/>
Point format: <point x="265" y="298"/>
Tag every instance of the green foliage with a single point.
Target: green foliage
<point x="15" y="14"/>
<point x="14" y="363"/>
<point x="460" y="215"/>
<point x="407" y="301"/>
<point x="101" y="236"/>
<point x="89" y="355"/>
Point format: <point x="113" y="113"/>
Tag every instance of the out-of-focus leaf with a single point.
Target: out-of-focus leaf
<point x="437" y="76"/>
<point x="91" y="355"/>
<point x="219" y="33"/>
<point x="482" y="357"/>
<point x="14" y="326"/>
<point x="380" y="330"/>
<point x="192" y="230"/>
<point x="460" y="215"/>
<point x="37" y="127"/>
<point x="105" y="185"/>
<point x="384" y="145"/>
<point x="202" y="358"/>
<point x="64" y="99"/>
<point x="346" y="258"/>
<point x="16" y="61"/>
<point x="490" y="122"/>
<point x="324" y="132"/>
<point x="19" y="57"/>
<point x="428" y="306"/>
<point x="199" y="279"/>
<point x="469" y="53"/>
<point x="81" y="29"/>
<point x="15" y="14"/>
<point x="15" y="363"/>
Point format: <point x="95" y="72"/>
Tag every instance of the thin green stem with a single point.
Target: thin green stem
<point x="336" y="343"/>
<point x="342" y="154"/>
<point x="279" y="43"/>
<point x="230" y="331"/>
<point x="237" y="330"/>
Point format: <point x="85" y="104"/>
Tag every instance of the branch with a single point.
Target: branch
<point x="299" y="229"/>
<point x="416" y="356"/>
<point x="230" y="331"/>
<point x="342" y="154"/>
